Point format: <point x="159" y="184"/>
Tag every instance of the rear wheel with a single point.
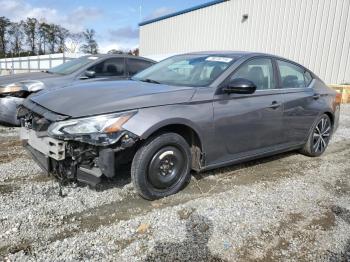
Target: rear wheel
<point x="161" y="167"/>
<point x="319" y="137"/>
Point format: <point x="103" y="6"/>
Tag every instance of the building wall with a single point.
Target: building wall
<point x="315" y="33"/>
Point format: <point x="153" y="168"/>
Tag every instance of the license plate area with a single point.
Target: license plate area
<point x="50" y="147"/>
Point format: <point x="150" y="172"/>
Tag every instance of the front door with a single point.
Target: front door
<point x="247" y="124"/>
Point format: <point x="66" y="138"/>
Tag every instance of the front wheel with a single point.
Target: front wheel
<point x="319" y="137"/>
<point x="161" y="167"/>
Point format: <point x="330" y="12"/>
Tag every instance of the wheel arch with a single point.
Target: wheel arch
<point x="187" y="130"/>
<point x="331" y="116"/>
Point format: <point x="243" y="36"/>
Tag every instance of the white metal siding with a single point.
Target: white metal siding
<point x="315" y="33"/>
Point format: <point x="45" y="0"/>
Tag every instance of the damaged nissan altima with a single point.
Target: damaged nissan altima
<point x="190" y="112"/>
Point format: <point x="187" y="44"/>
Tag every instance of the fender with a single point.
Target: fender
<point x="149" y="120"/>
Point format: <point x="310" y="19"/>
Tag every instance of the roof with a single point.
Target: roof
<point x="182" y="12"/>
<point x="119" y="55"/>
<point x="223" y="53"/>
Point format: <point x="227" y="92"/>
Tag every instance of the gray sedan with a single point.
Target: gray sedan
<point x="15" y="88"/>
<point x="197" y="111"/>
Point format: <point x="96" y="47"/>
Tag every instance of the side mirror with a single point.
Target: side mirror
<point x="240" y="86"/>
<point x="88" y="74"/>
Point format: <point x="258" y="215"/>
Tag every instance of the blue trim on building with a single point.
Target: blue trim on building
<point x="182" y="12"/>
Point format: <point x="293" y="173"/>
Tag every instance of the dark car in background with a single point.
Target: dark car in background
<point x="14" y="88"/>
<point x="197" y="111"/>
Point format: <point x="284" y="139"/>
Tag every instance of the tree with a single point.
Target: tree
<point x="42" y="39"/>
<point x="4" y="24"/>
<point x="135" y="52"/>
<point x="30" y="29"/>
<point x="16" y="37"/>
<point x="52" y="37"/>
<point x="61" y="34"/>
<point x="73" y="42"/>
<point x="90" y="46"/>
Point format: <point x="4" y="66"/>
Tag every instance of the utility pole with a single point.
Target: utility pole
<point x="140" y="9"/>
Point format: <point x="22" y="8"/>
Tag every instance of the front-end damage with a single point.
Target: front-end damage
<point x="13" y="95"/>
<point x="73" y="158"/>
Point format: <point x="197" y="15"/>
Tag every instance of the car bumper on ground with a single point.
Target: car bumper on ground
<point x="8" y="109"/>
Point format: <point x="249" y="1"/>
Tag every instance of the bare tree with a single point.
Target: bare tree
<point x="43" y="35"/>
<point x="73" y="42"/>
<point x="16" y="37"/>
<point x="31" y="30"/>
<point x="61" y="34"/>
<point x="90" y="46"/>
<point x="38" y="37"/>
<point x="4" y="24"/>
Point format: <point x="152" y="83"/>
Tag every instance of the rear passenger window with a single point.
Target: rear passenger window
<point x="259" y="71"/>
<point x="308" y="78"/>
<point x="137" y="65"/>
<point x="292" y="76"/>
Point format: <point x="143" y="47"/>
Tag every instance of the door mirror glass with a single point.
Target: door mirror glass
<point x="240" y="86"/>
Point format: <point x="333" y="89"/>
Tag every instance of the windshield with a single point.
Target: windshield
<point x="72" y="66"/>
<point x="186" y="70"/>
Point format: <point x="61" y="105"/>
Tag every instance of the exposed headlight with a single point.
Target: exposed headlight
<point x="99" y="130"/>
<point x="12" y="88"/>
<point x="22" y="87"/>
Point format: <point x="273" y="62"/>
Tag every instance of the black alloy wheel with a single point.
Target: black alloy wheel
<point x="319" y="137"/>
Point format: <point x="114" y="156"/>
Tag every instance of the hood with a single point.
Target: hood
<point x="47" y="80"/>
<point x="9" y="79"/>
<point x="96" y="98"/>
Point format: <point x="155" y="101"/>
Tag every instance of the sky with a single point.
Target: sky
<point x="115" y="21"/>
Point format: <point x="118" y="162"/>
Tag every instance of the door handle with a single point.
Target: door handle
<point x="316" y="96"/>
<point x="275" y="105"/>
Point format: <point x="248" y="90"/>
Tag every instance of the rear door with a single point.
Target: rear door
<point x="300" y="103"/>
<point x="248" y="124"/>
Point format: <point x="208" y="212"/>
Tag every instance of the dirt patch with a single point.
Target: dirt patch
<point x="7" y="189"/>
<point x="324" y="222"/>
<point x="11" y="149"/>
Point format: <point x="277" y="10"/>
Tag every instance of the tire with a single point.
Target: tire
<point x="161" y="166"/>
<point x="319" y="137"/>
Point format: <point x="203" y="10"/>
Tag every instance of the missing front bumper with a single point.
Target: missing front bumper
<point x="48" y="146"/>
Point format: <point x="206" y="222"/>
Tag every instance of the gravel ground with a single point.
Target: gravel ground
<point x="286" y="207"/>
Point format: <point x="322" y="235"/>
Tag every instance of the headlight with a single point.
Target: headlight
<point x="99" y="130"/>
<point x="23" y="86"/>
<point x="12" y="88"/>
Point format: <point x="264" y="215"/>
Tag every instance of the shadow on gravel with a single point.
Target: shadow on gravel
<point x="193" y="248"/>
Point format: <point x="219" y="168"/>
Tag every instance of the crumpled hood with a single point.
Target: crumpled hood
<point x="96" y="98"/>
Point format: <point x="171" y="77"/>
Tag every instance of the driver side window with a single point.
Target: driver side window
<point x="109" y="67"/>
<point x="259" y="71"/>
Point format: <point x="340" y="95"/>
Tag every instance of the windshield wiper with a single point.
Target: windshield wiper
<point x="149" y="81"/>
